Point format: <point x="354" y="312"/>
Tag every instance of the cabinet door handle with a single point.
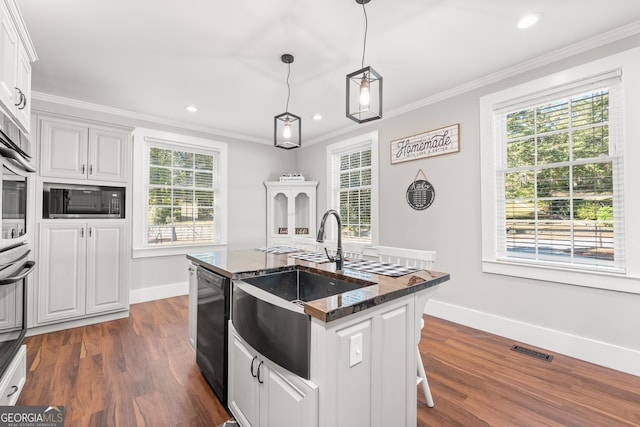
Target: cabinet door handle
<point x="258" y="374"/>
<point x="21" y="96"/>
<point x="252" y="362"/>
<point x="90" y="169"/>
<point x="23" y="101"/>
<point x="82" y="168"/>
<point x="14" y="390"/>
<point x="82" y="232"/>
<point x="90" y="231"/>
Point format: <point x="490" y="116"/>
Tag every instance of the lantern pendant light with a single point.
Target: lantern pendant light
<point x="364" y="87"/>
<point x="287" y="126"/>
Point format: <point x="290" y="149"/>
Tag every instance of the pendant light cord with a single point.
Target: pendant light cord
<point x="366" y="25"/>
<point x="288" y="88"/>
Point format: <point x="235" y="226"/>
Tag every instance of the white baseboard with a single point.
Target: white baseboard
<point x="593" y="351"/>
<point x="85" y="321"/>
<point x="158" y="292"/>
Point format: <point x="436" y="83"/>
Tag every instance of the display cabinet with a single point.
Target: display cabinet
<point x="291" y="211"/>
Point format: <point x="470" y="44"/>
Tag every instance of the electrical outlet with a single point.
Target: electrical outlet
<point x="355" y="350"/>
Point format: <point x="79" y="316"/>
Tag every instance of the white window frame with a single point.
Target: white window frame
<point x="368" y="140"/>
<point x="142" y="139"/>
<point x="626" y="279"/>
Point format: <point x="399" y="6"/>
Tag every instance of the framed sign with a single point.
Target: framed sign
<point x="432" y="143"/>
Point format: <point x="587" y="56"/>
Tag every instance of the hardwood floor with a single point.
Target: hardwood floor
<point x="477" y="380"/>
<point x="140" y="371"/>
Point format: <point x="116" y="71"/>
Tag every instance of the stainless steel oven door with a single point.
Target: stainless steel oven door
<point x="13" y="206"/>
<point x="15" y="266"/>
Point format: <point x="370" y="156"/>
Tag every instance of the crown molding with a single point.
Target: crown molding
<point x="70" y="102"/>
<point x="546" y="59"/>
<point x="549" y="58"/>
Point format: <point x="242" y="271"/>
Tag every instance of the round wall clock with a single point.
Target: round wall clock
<point x="420" y="194"/>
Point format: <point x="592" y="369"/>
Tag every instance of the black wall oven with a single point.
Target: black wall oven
<point x="15" y="254"/>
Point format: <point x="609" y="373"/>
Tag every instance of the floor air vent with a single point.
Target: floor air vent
<point x="532" y="353"/>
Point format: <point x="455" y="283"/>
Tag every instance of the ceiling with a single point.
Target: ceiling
<point x="154" y="57"/>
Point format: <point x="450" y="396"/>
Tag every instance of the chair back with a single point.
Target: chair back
<point x="407" y="257"/>
<point x="350" y="250"/>
<point x="305" y="243"/>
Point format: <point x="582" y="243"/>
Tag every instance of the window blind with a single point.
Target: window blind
<point x="180" y="195"/>
<point x="352" y="183"/>
<point x="559" y="175"/>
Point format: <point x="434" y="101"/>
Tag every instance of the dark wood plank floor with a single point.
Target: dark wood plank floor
<point x="140" y="371"/>
<point x="477" y="380"/>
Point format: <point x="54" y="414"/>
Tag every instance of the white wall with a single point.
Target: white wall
<point x="591" y="324"/>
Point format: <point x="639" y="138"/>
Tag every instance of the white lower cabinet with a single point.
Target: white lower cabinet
<point x="365" y="365"/>
<point x="263" y="395"/>
<point x="82" y="269"/>
<point x="14" y="378"/>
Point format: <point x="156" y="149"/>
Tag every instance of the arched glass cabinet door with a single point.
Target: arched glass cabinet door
<point x="302" y="214"/>
<point x="280" y="211"/>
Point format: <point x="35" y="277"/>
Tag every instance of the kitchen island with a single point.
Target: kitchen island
<point x="360" y="345"/>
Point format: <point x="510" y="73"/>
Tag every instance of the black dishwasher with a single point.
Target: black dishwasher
<point x="212" y="332"/>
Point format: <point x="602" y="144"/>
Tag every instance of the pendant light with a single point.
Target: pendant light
<point x="287" y="126"/>
<point x="364" y="87"/>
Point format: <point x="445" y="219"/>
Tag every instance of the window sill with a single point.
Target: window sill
<point x="175" y="250"/>
<point x="611" y="281"/>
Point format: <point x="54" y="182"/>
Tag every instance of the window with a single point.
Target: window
<point x="556" y="173"/>
<point x="181" y="187"/>
<point x="353" y="172"/>
<point x="553" y="177"/>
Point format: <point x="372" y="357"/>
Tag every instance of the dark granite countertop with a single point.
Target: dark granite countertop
<point x="376" y="289"/>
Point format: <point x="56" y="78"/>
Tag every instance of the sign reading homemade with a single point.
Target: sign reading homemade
<point x="432" y="143"/>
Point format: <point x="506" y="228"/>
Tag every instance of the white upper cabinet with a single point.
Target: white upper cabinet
<point x="23" y="89"/>
<point x="77" y="150"/>
<point x="8" y="56"/>
<point x="291" y="211"/>
<point x="16" y="56"/>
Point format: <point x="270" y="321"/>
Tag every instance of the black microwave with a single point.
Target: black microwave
<point x="82" y="201"/>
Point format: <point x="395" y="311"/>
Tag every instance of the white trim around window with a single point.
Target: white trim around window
<point x="624" y="277"/>
<point x="368" y="140"/>
<point x="142" y="140"/>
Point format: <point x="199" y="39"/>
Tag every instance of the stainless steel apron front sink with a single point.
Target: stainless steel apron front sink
<point x="267" y="314"/>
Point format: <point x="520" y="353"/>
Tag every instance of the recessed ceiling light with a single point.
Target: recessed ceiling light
<point x="529" y="20"/>
<point x="191" y="108"/>
<point x="317" y="117"/>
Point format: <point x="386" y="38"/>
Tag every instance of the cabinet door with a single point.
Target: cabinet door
<point x="304" y="211"/>
<point x="105" y="267"/>
<point x="287" y="401"/>
<point x="63" y="149"/>
<point x="278" y="216"/>
<point x="108" y="154"/>
<point x="9" y="306"/>
<point x="8" y="53"/>
<point x="23" y="82"/>
<point x="243" y="387"/>
<point x="61" y="271"/>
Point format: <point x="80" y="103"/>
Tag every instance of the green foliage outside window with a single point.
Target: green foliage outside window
<point x="558" y="180"/>
<point x="180" y="196"/>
